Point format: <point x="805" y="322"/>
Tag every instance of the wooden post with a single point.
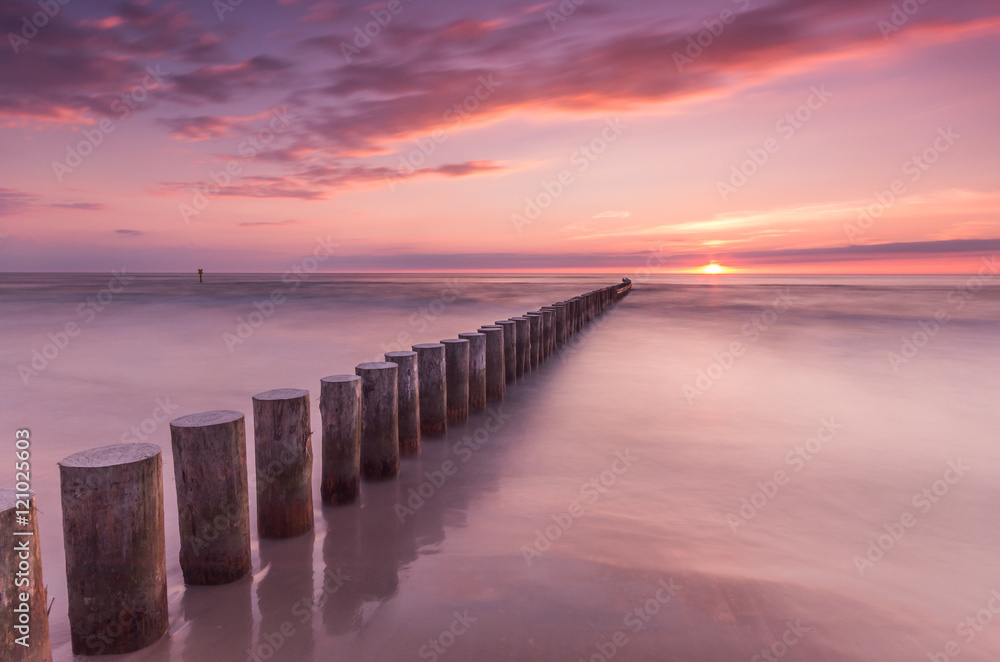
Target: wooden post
<point x="509" y="348"/>
<point x="340" y="411"/>
<point x="408" y="395"/>
<point x="210" y="471"/>
<point x="284" y="459"/>
<point x="549" y="318"/>
<point x="496" y="370"/>
<point x="535" y="320"/>
<point x="456" y="356"/>
<point x="477" y="370"/>
<point x="24" y="632"/>
<point x="562" y="331"/>
<point x="433" y="388"/>
<point x="116" y="564"/>
<point x="379" y="420"/>
<point x="523" y="345"/>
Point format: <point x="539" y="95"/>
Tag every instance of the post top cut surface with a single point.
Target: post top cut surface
<point x="427" y="345"/>
<point x="8" y="499"/>
<point x="455" y="341"/>
<point x="504" y="322"/>
<point x="337" y="379"/>
<point x="514" y="319"/>
<point x="399" y="355"/>
<point x="491" y="327"/>
<point x="466" y="336"/>
<point x="282" y="394"/>
<point x="378" y="365"/>
<point x="110" y="456"/>
<point x="205" y="418"/>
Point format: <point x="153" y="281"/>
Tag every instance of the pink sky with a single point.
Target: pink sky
<point x="420" y="147"/>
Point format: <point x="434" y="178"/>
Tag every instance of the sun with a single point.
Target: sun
<point x="713" y="268"/>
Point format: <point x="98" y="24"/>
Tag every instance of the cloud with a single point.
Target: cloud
<point x="254" y="224"/>
<point x="13" y="201"/>
<point x="319" y="181"/>
<point x="72" y="69"/>
<point x="83" y="206"/>
<point x="130" y="233"/>
<point x="225" y="82"/>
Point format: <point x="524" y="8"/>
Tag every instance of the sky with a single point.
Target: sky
<point x="835" y="136"/>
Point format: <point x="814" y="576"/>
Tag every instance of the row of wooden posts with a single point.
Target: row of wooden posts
<point x="112" y="497"/>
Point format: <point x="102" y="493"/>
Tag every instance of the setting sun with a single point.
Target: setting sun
<point x="714" y="268"/>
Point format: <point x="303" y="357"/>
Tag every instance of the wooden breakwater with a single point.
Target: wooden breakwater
<point x="112" y="497"/>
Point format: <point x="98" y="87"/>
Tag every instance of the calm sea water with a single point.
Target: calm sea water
<point x="825" y="489"/>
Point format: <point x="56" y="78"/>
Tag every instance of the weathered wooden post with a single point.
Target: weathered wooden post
<point x="562" y="326"/>
<point x="523" y="345"/>
<point x="433" y="388"/>
<point x="549" y="318"/>
<point x="509" y="348"/>
<point x="535" y="320"/>
<point x="340" y="411"/>
<point x="457" y="370"/>
<point x="477" y="370"/>
<point x="284" y="459"/>
<point x="408" y="395"/>
<point x="116" y="564"/>
<point x="210" y="471"/>
<point x="24" y="632"/>
<point x="496" y="365"/>
<point x="379" y="420"/>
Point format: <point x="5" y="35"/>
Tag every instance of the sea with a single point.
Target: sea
<point x="720" y="468"/>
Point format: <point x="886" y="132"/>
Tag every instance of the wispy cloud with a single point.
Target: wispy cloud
<point x="256" y="224"/>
